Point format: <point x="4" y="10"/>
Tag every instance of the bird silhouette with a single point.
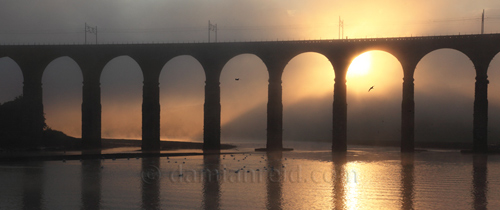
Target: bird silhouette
<point x="371" y="88"/>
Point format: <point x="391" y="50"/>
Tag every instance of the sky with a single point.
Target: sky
<point x="443" y="106"/>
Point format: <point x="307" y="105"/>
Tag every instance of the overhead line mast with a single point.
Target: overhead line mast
<point x="90" y="30"/>
<point x="341" y="27"/>
<point x="482" y="23"/>
<point x="212" y="27"/>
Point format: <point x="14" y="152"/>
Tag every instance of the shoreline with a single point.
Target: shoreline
<point x="168" y="148"/>
<point x="71" y="150"/>
<point x="165" y="145"/>
<point x="71" y="144"/>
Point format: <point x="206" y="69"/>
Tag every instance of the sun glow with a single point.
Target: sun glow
<point x="360" y="65"/>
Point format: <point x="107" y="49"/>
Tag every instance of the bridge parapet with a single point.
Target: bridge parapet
<point x="287" y="41"/>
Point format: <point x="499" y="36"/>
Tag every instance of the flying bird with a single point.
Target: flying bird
<point x="371" y="88"/>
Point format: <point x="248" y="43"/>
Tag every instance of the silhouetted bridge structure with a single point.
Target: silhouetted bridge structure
<point x="33" y="59"/>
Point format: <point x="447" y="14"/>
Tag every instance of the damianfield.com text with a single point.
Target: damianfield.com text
<point x="224" y="174"/>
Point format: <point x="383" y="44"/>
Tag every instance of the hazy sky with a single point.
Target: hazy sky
<point x="443" y="107"/>
<point x="58" y="21"/>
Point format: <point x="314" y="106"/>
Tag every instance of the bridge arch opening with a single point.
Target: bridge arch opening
<point x="374" y="114"/>
<point x="11" y="80"/>
<point x="444" y="97"/>
<point x="308" y="81"/>
<point x="494" y="100"/>
<point x="182" y="83"/>
<point x="62" y="96"/>
<point x="121" y="99"/>
<point x="244" y="86"/>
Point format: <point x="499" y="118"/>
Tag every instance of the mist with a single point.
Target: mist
<point x="182" y="95"/>
<point x="444" y="79"/>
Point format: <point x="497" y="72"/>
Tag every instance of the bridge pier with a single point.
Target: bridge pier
<point x="480" y="127"/>
<point x="34" y="119"/>
<point x="339" y="131"/>
<point x="408" y="113"/>
<point x="212" y="111"/>
<point x="91" y="115"/>
<point x="275" y="111"/>
<point x="151" y="116"/>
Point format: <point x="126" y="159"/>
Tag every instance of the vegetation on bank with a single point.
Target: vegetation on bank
<point x="12" y="126"/>
<point x="14" y="130"/>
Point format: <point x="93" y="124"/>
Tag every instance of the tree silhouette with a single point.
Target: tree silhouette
<point x="13" y="128"/>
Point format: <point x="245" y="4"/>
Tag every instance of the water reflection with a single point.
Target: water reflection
<point x="480" y="181"/>
<point x="33" y="185"/>
<point x="275" y="176"/>
<point x="150" y="184"/>
<point x="339" y="161"/>
<point x="91" y="184"/>
<point x="407" y="180"/>
<point x="211" y="181"/>
<point x="393" y="181"/>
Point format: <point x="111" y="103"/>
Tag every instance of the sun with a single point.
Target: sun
<point x="360" y="65"/>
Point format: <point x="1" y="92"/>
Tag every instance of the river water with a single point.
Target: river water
<point x="306" y="178"/>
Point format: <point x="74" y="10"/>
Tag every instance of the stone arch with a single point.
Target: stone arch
<point x="308" y="108"/>
<point x="181" y="56"/>
<point x="434" y="50"/>
<point x="395" y="55"/>
<point x="57" y="59"/>
<point x="293" y="56"/>
<point x="374" y="115"/>
<point x="11" y="84"/>
<point x="244" y="87"/>
<point x="62" y="95"/>
<point x="181" y="98"/>
<point x="126" y="57"/>
<point x="444" y="98"/>
<point x="121" y="98"/>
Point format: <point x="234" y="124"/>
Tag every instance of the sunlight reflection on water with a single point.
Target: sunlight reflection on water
<point x="364" y="178"/>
